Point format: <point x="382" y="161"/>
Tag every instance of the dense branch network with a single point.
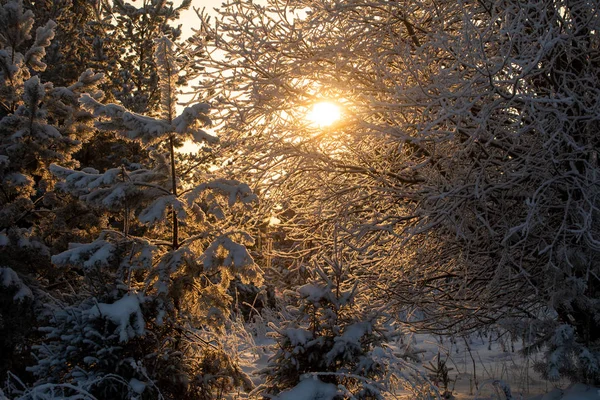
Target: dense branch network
<point x="465" y="171"/>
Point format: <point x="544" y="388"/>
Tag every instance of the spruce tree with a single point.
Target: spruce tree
<point x="115" y="38"/>
<point x="160" y="276"/>
<point x="335" y="348"/>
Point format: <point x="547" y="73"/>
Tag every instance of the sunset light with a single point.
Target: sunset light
<point x="299" y="199"/>
<point x="324" y="114"/>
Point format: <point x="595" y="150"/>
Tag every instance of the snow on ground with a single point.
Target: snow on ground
<point x="310" y="389"/>
<point x="475" y="361"/>
<point x="574" y="392"/>
<point x="474" y="364"/>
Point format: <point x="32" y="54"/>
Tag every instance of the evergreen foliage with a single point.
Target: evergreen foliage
<point x="337" y="336"/>
<point x="166" y="270"/>
<point x="462" y="184"/>
<point x="115" y="38"/>
<point x="39" y="124"/>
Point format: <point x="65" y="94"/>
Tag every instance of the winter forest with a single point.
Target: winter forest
<point x="299" y="199"/>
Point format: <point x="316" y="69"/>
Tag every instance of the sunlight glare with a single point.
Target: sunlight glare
<point x="324" y="114"/>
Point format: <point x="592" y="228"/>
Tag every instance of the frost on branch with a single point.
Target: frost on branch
<point x="43" y="37"/>
<point x="466" y="171"/>
<point x="189" y="118"/>
<point x="16" y="24"/>
<point x="231" y="189"/>
<point x="168" y="71"/>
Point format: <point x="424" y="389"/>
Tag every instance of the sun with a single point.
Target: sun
<point x="324" y="114"/>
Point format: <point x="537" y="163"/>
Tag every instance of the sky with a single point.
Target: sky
<point x="189" y="19"/>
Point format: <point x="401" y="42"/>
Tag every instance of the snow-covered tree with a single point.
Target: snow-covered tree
<point x="159" y="274"/>
<point x="121" y="42"/>
<point x="465" y="167"/>
<point x="78" y="24"/>
<point x="115" y="38"/>
<point x="336" y="343"/>
<point x="39" y="124"/>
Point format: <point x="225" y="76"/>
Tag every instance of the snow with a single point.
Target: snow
<point x="492" y="359"/>
<point x="201" y="136"/>
<point x="577" y="391"/>
<point x="233" y="189"/>
<point x="100" y="256"/>
<point x="17" y="179"/>
<point x="297" y="336"/>
<point x="120" y="313"/>
<point x="98" y="253"/>
<point x="49" y="132"/>
<point x="146" y="128"/>
<point x="273" y="221"/>
<point x="9" y="278"/>
<point x="24" y="242"/>
<point x="86" y="180"/>
<point x="110" y="110"/>
<point x="349" y="340"/>
<point x="310" y="389"/>
<point x="4" y="240"/>
<point x="137" y="386"/>
<point x="355" y="332"/>
<point x="237" y="255"/>
<point x="190" y="115"/>
<point x="312" y="293"/>
<point x="156" y="211"/>
<point x="88" y="77"/>
<point x="116" y="197"/>
<point x="43" y="36"/>
<point x="33" y="90"/>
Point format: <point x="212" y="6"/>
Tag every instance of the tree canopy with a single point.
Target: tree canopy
<point x="464" y="171"/>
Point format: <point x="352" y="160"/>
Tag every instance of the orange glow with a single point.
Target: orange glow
<point x="324" y="114"/>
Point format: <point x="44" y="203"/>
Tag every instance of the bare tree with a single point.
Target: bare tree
<point x="465" y="169"/>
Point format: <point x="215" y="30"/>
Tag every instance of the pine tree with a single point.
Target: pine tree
<point x="114" y="38"/>
<point x="162" y="273"/>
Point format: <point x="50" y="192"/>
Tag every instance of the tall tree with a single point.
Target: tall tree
<point x="115" y="38"/>
<point x="154" y="284"/>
